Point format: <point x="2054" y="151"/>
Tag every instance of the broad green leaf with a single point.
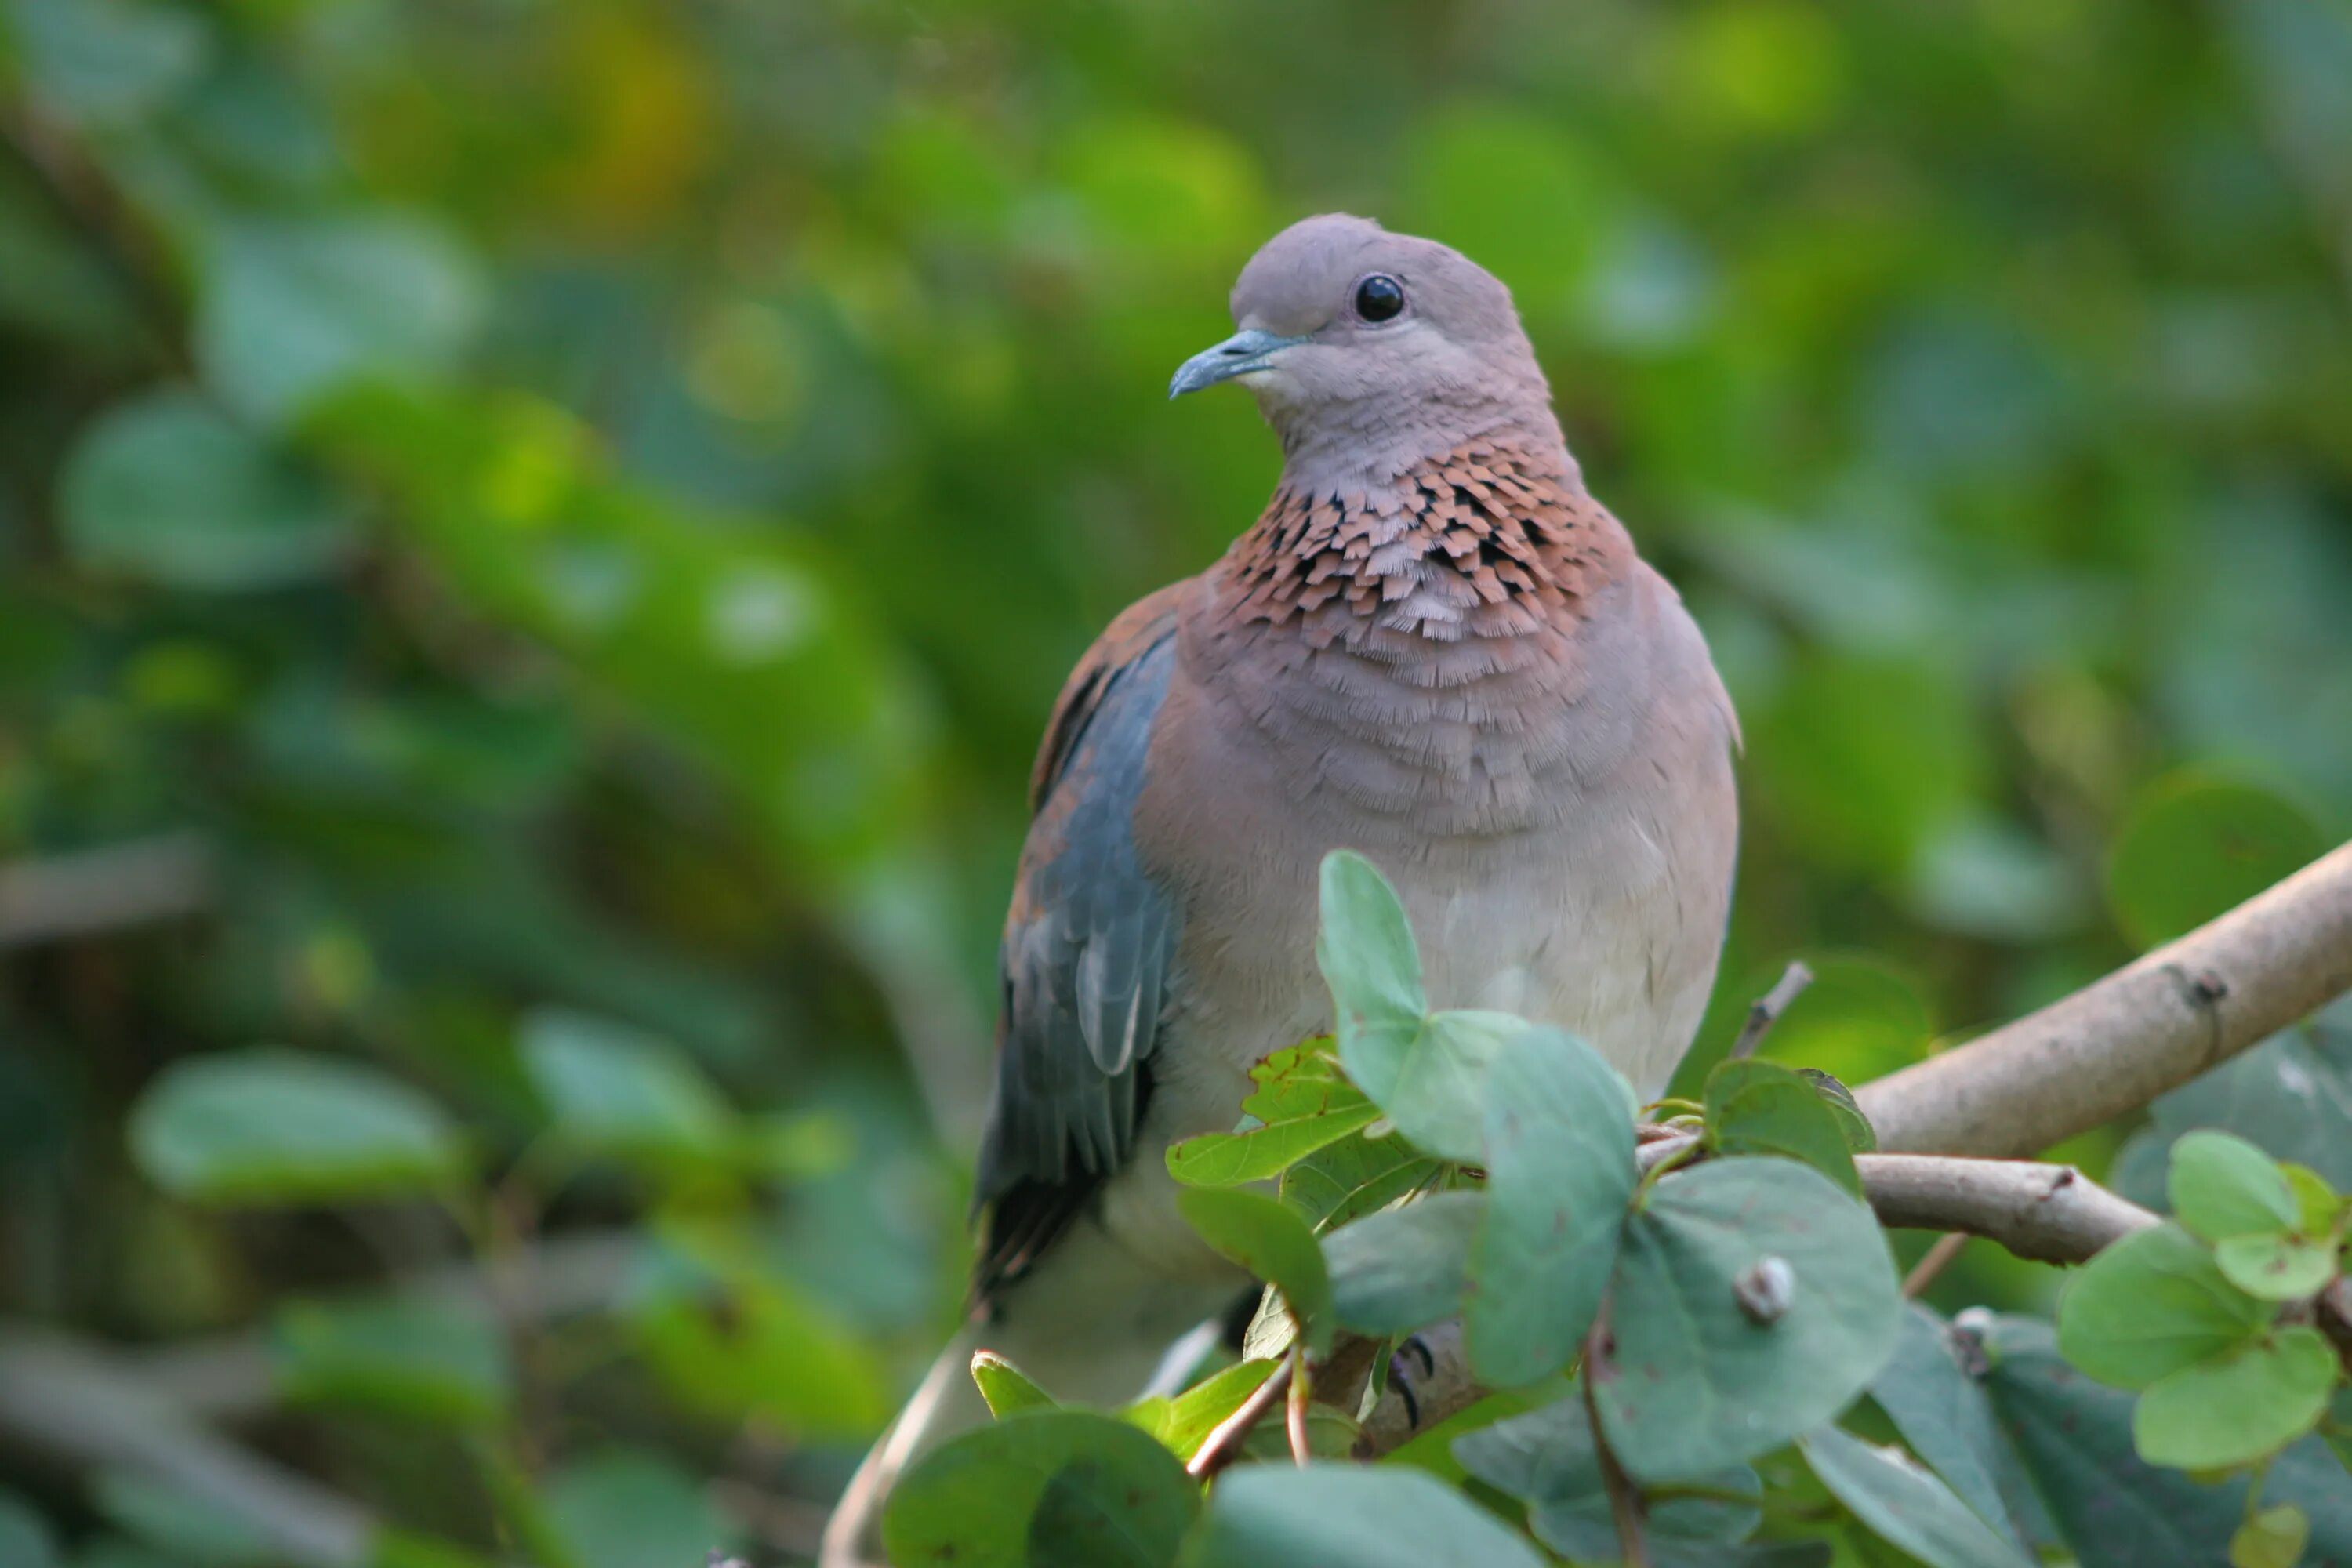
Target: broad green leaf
<point x="169" y="490"/>
<point x="2220" y="1186"/>
<point x="2289" y="1095"/>
<point x="1756" y="1107"/>
<point x="2196" y="846"/>
<point x="295" y="308"/>
<point x="2275" y="1538"/>
<point x="1280" y="1516"/>
<point x="407" y="1357"/>
<point x="2118" y="1511"/>
<point x="1365" y="947"/>
<point x="1274" y="1244"/>
<point x="1425" y="1070"/>
<point x="1062" y="1487"/>
<point x="625" y="1509"/>
<point x="1559" y="1174"/>
<point x="2151" y="1304"/>
<point x="2276" y="1268"/>
<point x="1356" y="1176"/>
<point x="2236" y="1409"/>
<point x="2321" y="1210"/>
<point x="1005" y="1388"/>
<point x="615" y="1090"/>
<point x="732" y="1335"/>
<point x="1548" y="1458"/>
<point x="106" y="63"/>
<point x="1192" y="1414"/>
<point x="1434" y="1076"/>
<point x="1903" y="1503"/>
<point x="26" y="1540"/>
<point x="1943" y="1414"/>
<point x="1861" y="1138"/>
<point x="1405" y="1267"/>
<point x="1302" y="1104"/>
<point x="270" y="1126"/>
<point x="1698" y="1380"/>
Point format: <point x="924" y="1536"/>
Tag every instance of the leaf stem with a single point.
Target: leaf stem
<point x="1624" y="1500"/>
<point x="1302" y="1389"/>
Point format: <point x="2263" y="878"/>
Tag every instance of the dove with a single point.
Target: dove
<point x="1433" y="647"/>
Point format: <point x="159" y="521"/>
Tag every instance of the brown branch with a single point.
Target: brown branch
<point x="2150" y="1026"/>
<point x="1766" y="1010"/>
<point x="87" y="891"/>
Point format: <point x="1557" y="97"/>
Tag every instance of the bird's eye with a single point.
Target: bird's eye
<point x="1378" y="298"/>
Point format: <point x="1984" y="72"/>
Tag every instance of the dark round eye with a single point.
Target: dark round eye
<point x="1379" y="297"/>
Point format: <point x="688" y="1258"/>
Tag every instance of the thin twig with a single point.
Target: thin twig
<point x="1933" y="1262"/>
<point x="1224" y="1444"/>
<point x="1624" y="1501"/>
<point x="1766" y="1010"/>
<point x="1302" y="1389"/>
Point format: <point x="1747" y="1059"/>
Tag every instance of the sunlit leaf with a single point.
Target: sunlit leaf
<point x="278" y="1127"/>
<point x="1274" y="1244"/>
<point x="2150" y="1305"/>
<point x="2234" y="1408"/>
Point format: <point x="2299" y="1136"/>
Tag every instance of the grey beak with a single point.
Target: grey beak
<point x="1237" y="355"/>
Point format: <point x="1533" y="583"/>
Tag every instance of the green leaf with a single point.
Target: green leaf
<point x="625" y="1508"/>
<point x="2234" y="1409"/>
<point x="2321" y="1210"/>
<point x="1406" y="1267"/>
<point x="1004" y="1386"/>
<point x="1192" y="1416"/>
<point x="2288" y="1095"/>
<point x="406" y="1357"/>
<point x="1271" y="1242"/>
<point x="1280" y="1516"/>
<point x="1763" y="1108"/>
<point x="1548" y="1458"/>
<point x="1059" y="1487"/>
<point x="26" y="1540"/>
<point x="169" y="491"/>
<point x="2220" y="1186"/>
<point x="1365" y="947"/>
<point x="1696" y="1380"/>
<point x="1302" y="1104"/>
<point x="108" y="62"/>
<point x="1560" y="1174"/>
<point x="277" y="1127"/>
<point x="2274" y="1537"/>
<point x="293" y="310"/>
<point x="2116" y="1510"/>
<point x="2151" y="1304"/>
<point x="2276" y="1268"/>
<point x="1356" y="1176"/>
<point x="1903" y="1503"/>
<point x="2196" y="846"/>
<point x="616" y="1091"/>
<point x="1425" y="1071"/>
<point x="1943" y="1414"/>
<point x="1861" y="1138"/>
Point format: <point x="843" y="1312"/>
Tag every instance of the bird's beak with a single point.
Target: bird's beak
<point x="1237" y="355"/>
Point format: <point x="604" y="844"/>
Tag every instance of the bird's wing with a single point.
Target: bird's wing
<point x="1086" y="953"/>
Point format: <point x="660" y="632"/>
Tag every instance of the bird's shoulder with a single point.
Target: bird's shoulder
<point x="1130" y="637"/>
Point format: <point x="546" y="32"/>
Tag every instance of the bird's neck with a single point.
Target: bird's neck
<point x="1494" y="538"/>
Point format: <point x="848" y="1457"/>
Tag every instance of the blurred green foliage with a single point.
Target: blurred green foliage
<point x="535" y="540"/>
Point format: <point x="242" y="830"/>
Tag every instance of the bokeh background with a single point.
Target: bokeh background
<point x="537" y="539"/>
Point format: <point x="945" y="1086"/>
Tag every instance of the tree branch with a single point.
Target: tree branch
<point x="2150" y="1026"/>
<point x="117" y="885"/>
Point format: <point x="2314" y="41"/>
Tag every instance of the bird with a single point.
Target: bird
<point x="1432" y="646"/>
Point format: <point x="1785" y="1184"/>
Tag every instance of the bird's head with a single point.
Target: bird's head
<point x="1357" y="339"/>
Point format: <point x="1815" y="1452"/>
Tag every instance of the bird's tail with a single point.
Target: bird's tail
<point x="945" y="1403"/>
